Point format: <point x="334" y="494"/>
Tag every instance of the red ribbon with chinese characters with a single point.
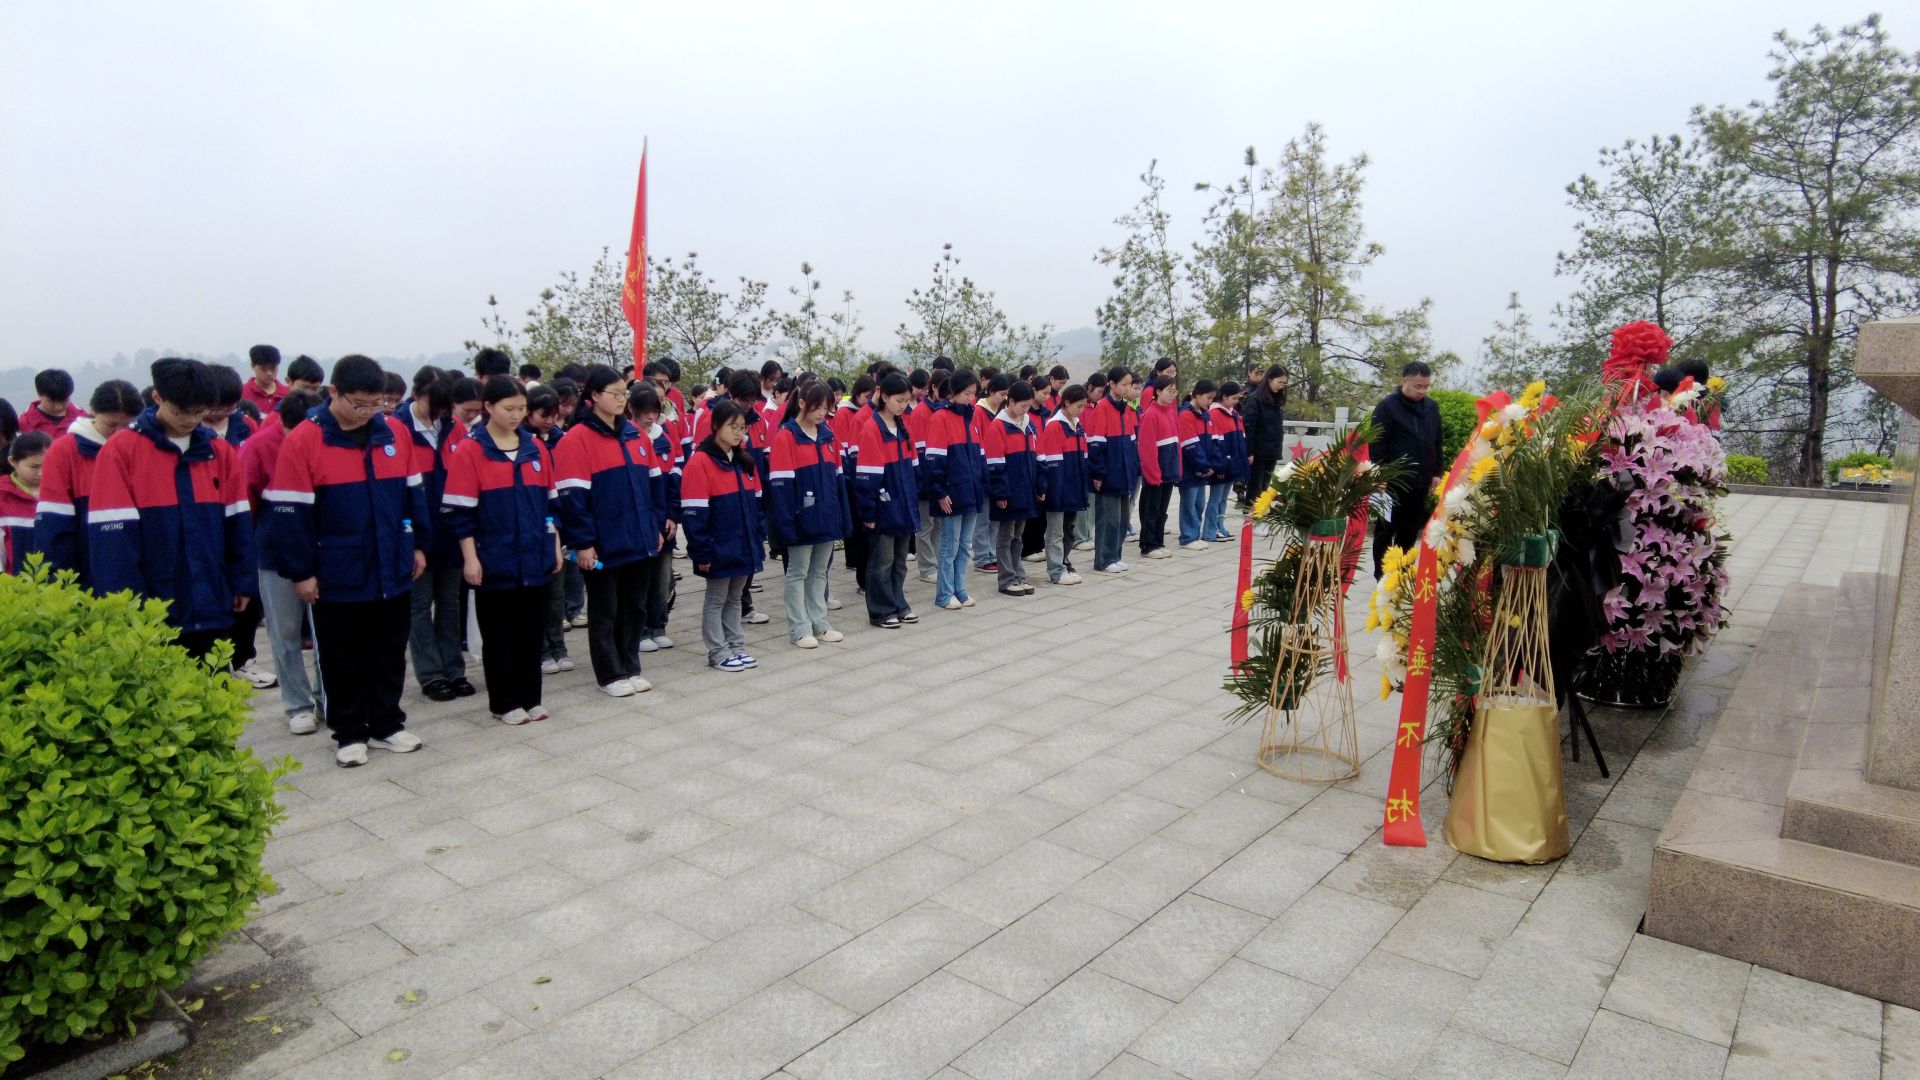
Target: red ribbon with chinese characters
<point x="1241" y="616"/>
<point x="1402" y="826"/>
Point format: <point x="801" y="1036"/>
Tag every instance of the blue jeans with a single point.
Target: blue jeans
<point x="1193" y="511"/>
<point x="980" y="539"/>
<point x="954" y="557"/>
<point x="1109" y="527"/>
<point x="1215" y="525"/>
<point x="806" y="589"/>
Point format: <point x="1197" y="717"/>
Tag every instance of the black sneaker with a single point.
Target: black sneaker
<point x="888" y="623"/>
<point x="439" y="690"/>
<point x="908" y="616"/>
<point x="461" y="687"/>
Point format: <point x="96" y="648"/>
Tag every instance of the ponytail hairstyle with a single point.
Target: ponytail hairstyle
<point x="599" y="377"/>
<point x="1204" y="386"/>
<point x="960" y="381"/>
<point x="862" y="388"/>
<point x="437" y="392"/>
<point x="25" y="445"/>
<point x="425" y="378"/>
<point x="1227" y="390"/>
<point x="725" y="411"/>
<point x="1020" y="391"/>
<point x="893" y="384"/>
<point x="811" y="396"/>
<point x="1157" y="384"/>
<point x="1071" y="393"/>
<point x="460" y="390"/>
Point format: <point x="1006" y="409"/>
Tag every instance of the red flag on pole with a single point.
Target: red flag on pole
<point x="633" y="297"/>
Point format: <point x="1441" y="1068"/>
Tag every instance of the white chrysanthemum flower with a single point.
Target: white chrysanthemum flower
<point x="1362" y="468"/>
<point x="1479" y="451"/>
<point x="1436" y="531"/>
<point x="1456" y="499"/>
<point x="1513" y="412"/>
<point x="1285" y="473"/>
<point x="1464" y="551"/>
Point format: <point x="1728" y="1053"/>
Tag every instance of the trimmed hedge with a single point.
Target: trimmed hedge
<point x="131" y="826"/>
<point x="1458" y="418"/>
<point x="1746" y="469"/>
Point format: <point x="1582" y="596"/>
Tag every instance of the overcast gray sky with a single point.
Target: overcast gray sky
<point x="354" y="176"/>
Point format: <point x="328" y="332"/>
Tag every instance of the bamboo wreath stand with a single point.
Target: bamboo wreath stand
<point x="1509" y="799"/>
<point x="1309" y="733"/>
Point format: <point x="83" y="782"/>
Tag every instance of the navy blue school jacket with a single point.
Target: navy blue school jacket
<point x="172" y="524"/>
<point x="66" y="488"/>
<point x="1112" y="456"/>
<point x="1063" y="459"/>
<point x="806" y="502"/>
<point x="351" y="516"/>
<point x="1013" y="469"/>
<point x="433" y="448"/>
<point x="613" y="492"/>
<point x="1199" y="463"/>
<point x="956" y="463"/>
<point x="885" y="489"/>
<point x="503" y="501"/>
<point x="720" y="510"/>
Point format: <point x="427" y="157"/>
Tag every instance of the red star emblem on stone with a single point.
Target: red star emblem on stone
<point x="1299" y="449"/>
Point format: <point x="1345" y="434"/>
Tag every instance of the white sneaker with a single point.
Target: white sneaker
<point x="1159" y="553"/>
<point x="663" y="641"/>
<point x="538" y="712"/>
<point x="831" y="636"/>
<point x="549" y="667"/>
<point x="1084" y="545"/>
<point x="966" y="601"/>
<point x="513" y="717"/>
<point x="808" y="642"/>
<point x="1038" y="556"/>
<point x="756" y="618"/>
<point x="640" y="685"/>
<point x="731" y="663"/>
<point x="350" y="755"/>
<point x="565" y="663"/>
<point x="578" y="621"/>
<point x="952" y="604"/>
<point x="647" y="645"/>
<point x="834" y="604"/>
<point x="1194" y="545"/>
<point x="746" y="659"/>
<point x="254" y="677"/>
<point x="302" y="722"/>
<point x="1114" y="568"/>
<point x="400" y="742"/>
<point x="618" y="688"/>
<point x="1069" y="578"/>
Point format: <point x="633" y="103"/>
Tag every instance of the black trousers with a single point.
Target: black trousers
<point x="246" y="628"/>
<point x="365" y="644"/>
<point x="859" y="550"/>
<point x="659" y="593"/>
<point x="1401" y="527"/>
<point x="199" y="643"/>
<point x="1154" y="499"/>
<point x="513" y="629"/>
<point x="1262" y="474"/>
<point x="887" y="576"/>
<point x="1033" y="537"/>
<point x="616" y="618"/>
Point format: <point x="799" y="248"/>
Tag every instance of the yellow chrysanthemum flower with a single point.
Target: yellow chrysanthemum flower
<point x="1264" y="503"/>
<point x="1716" y="384"/>
<point x="1482" y="469"/>
<point x="1386" y="688"/>
<point x="1513" y="621"/>
<point x="1246" y="600"/>
<point x="1530" y="397"/>
<point x="1489" y="429"/>
<point x="1391" y="581"/>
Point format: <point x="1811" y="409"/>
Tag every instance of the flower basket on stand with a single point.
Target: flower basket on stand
<point x="1309" y="731"/>
<point x="1509" y="796"/>
<point x="1297" y="674"/>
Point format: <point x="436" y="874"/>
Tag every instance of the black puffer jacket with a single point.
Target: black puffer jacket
<point x="1266" y="425"/>
<point x="1409" y="431"/>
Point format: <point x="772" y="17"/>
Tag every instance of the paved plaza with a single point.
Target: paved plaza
<point x="1012" y="841"/>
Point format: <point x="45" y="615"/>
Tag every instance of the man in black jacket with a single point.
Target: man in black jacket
<point x="1406" y="428"/>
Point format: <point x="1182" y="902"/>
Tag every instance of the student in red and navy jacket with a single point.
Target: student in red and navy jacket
<point x="1230" y="452"/>
<point x="644" y="408"/>
<point x="612" y="516"/>
<point x="1063" y="461"/>
<point x="1014" y="484"/>
<point x="919" y="419"/>
<point x="848" y="419"/>
<point x="807" y="509"/>
<point x="496" y="506"/>
<point x="1113" y="466"/>
<point x="54" y="411"/>
<point x="1200" y="469"/>
<point x="743" y="389"/>
<point x="168" y="516"/>
<point x="886" y="497"/>
<point x="349" y="528"/>
<point x="955" y="482"/>
<point x="20" y="484"/>
<point x="225" y="418"/>
<point x="66" y="486"/>
<point x="1159" y="446"/>
<point x="285" y="616"/>
<point x="719" y="508"/>
<point x="436" y="426"/>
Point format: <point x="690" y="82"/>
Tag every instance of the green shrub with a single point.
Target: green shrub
<point x="1458" y="418"/>
<point x="1746" y="468"/>
<point x="1857" y="459"/>
<point x="131" y="826"/>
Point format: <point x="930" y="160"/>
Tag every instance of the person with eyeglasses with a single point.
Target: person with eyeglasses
<point x="168" y="518"/>
<point x="613" y="511"/>
<point x="350" y="529"/>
